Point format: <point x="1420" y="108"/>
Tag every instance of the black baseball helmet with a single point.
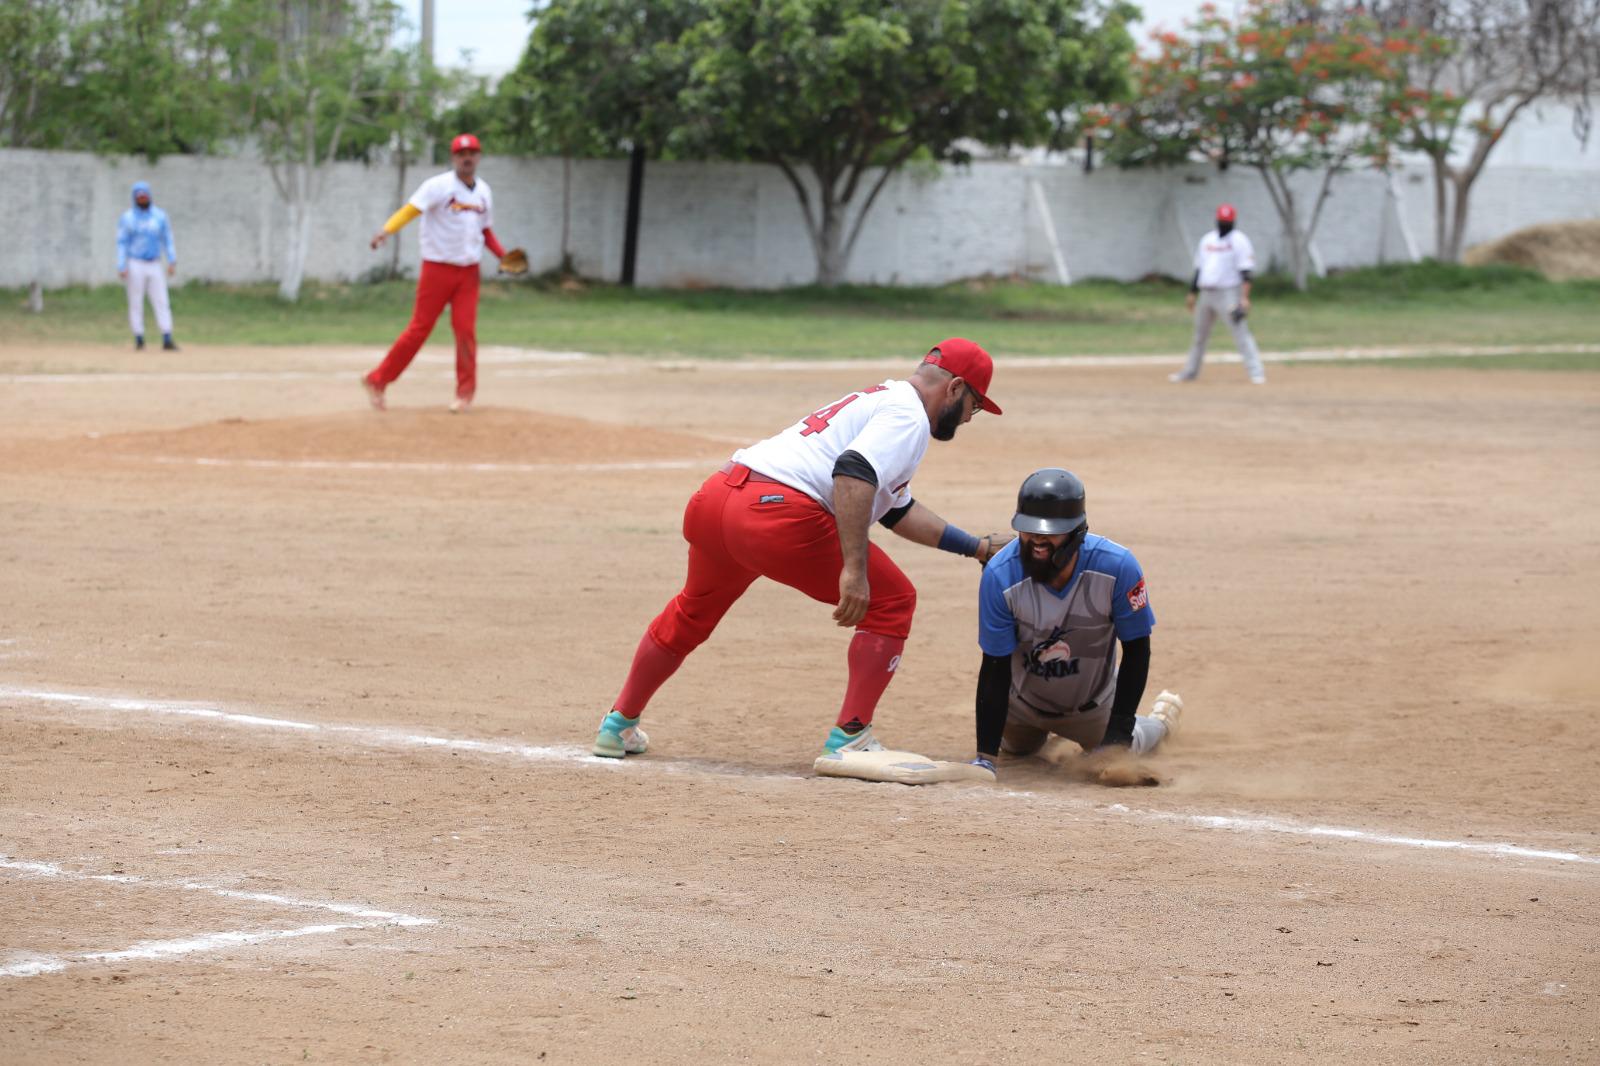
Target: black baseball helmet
<point x="1050" y="502"/>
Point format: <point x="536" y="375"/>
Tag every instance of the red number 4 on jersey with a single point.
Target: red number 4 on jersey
<point x="817" y="421"/>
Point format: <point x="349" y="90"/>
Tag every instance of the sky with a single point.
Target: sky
<point x="495" y="30"/>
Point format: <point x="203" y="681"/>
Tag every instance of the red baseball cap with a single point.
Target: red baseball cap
<point x="1226" y="213"/>
<point x="968" y="362"/>
<point x="465" y="142"/>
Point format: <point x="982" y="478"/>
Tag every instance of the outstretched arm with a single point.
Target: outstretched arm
<point x="396" y="222"/>
<point x="920" y="525"/>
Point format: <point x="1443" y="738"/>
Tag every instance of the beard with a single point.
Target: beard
<point x="1038" y="569"/>
<point x="1224" y="228"/>
<point x="949" y="421"/>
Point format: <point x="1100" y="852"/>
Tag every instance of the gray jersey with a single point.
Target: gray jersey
<point x="1063" y="645"/>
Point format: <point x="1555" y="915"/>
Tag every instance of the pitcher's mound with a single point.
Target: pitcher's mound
<point x="486" y="435"/>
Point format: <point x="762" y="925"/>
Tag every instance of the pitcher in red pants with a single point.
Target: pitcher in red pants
<point x="796" y="508"/>
<point x="457" y="212"/>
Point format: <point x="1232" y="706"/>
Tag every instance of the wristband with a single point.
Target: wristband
<point x="957" y="540"/>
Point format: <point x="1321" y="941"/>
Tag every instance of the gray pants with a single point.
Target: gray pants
<point x="1210" y="305"/>
<point x="1027" y="730"/>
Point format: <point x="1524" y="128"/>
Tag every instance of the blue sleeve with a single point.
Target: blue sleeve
<point x="1131" y="615"/>
<point x="997" y="626"/>
<point x="122" y="243"/>
<point x="166" y="236"/>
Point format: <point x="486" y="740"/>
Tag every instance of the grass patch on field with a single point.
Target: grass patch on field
<point x="1569" y="361"/>
<point x="1420" y="304"/>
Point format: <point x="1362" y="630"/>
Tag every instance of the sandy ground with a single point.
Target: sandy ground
<point x="233" y="602"/>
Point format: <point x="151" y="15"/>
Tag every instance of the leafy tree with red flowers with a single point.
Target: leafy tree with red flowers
<point x="1480" y="65"/>
<point x="1288" y="89"/>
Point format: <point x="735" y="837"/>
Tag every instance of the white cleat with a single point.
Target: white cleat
<point x="839" y="740"/>
<point x="1180" y="377"/>
<point x="1168" y="709"/>
<point x="458" y="406"/>
<point x="374" y="396"/>
<point x="1258" y="379"/>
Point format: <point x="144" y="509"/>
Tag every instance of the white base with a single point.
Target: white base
<point x="897" y="768"/>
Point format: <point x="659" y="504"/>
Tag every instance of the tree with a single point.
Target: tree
<point x="303" y="70"/>
<point x="851" y="90"/>
<point x="141" y="77"/>
<point x="601" y="78"/>
<point x="1488" y="61"/>
<point x="1287" y="90"/>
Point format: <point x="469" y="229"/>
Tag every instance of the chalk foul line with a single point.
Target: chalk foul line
<point x="574" y="755"/>
<point x="32" y="964"/>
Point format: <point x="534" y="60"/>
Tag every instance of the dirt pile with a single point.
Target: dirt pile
<point x="1561" y="251"/>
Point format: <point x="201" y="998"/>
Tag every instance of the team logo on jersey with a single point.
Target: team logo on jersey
<point x="457" y="205"/>
<point x="1052" y="657"/>
<point x="1139" y="596"/>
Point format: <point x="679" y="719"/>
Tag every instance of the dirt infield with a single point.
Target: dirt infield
<point x="294" y="698"/>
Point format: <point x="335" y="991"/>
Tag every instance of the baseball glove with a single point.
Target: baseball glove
<point x="514" y="262"/>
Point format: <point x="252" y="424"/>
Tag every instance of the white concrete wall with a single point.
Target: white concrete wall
<point x="736" y="224"/>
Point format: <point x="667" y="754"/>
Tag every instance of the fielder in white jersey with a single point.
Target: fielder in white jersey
<point x="1054" y="608"/>
<point x="1223" y="264"/>
<point x="797" y="508"/>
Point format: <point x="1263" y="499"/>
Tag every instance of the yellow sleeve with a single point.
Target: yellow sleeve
<point x="399" y="219"/>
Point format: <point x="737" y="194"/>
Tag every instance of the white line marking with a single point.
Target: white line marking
<point x="33" y="965"/>
<point x="352" y="910"/>
<point x="453" y="468"/>
<point x="572" y="754"/>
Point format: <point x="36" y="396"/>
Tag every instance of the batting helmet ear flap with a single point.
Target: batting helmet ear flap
<point x="1069" y="547"/>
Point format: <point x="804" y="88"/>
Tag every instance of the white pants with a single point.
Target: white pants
<point x="148" y="277"/>
<point x="1210" y="305"/>
<point x="1026" y="729"/>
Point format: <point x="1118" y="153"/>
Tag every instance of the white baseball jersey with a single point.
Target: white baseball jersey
<point x="1219" y="259"/>
<point x="453" y="218"/>
<point x="886" y="424"/>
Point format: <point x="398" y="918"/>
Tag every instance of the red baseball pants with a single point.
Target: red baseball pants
<point x="440" y="284"/>
<point x="740" y="529"/>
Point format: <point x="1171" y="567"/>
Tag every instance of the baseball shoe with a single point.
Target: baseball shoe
<point x="374" y="395"/>
<point x="1180" y="377"/>
<point x="1168" y="709"/>
<point x="839" y="740"/>
<point x="460" y="405"/>
<point x="620" y="736"/>
<point x="168" y="344"/>
<point x="138" y="344"/>
<point x="1258" y="379"/>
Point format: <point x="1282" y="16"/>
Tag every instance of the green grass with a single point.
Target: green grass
<point x="1569" y="361"/>
<point x="1387" y="306"/>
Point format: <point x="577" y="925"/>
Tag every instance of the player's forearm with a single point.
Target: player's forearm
<point x="920" y="526"/>
<point x="491" y="242"/>
<point x="1133" y="674"/>
<point x="400" y="219"/>
<point x="852" y="513"/>
<point x="1244" y="285"/>
<point x="992" y="703"/>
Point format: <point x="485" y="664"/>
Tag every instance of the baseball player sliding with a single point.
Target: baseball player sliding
<point x="1053" y="607"/>
<point x="457" y="212"/>
<point x="797" y="508"/>
<point x="1223" y="263"/>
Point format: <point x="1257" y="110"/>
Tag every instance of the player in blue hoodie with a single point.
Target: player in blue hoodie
<point x="143" y="234"/>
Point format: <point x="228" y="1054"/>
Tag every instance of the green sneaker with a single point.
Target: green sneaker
<point x="620" y="736"/>
<point x="839" y="740"/>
